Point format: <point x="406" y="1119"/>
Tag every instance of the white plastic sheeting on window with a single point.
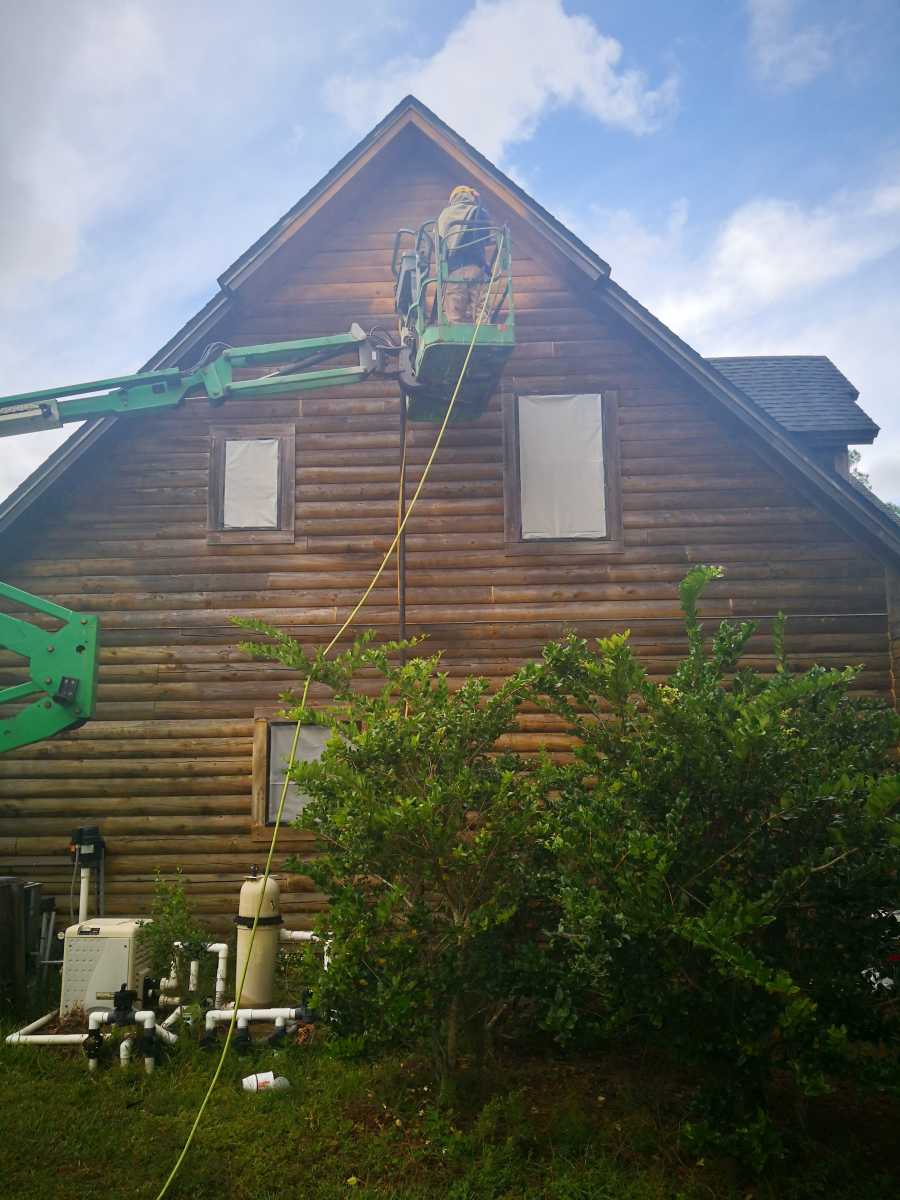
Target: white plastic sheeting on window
<point x="561" y="475"/>
<point x="309" y="748"/>
<point x="250" y="500"/>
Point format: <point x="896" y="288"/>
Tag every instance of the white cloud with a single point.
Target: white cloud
<point x="768" y="252"/>
<point x="506" y="65"/>
<point x="783" y="55"/>
<point x="779" y="278"/>
<point x="144" y="144"/>
<point x="771" y="250"/>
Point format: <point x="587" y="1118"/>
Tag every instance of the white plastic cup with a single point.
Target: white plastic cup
<point x="264" y="1080"/>
<point x="259" y="1082"/>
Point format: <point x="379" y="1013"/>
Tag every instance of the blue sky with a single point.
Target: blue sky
<point x="736" y="161"/>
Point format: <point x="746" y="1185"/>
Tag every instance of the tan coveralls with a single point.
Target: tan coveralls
<point x="467" y="264"/>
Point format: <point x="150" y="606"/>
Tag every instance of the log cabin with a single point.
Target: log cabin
<point x="739" y="461"/>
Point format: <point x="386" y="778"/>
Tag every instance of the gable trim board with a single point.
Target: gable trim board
<point x="857" y="514"/>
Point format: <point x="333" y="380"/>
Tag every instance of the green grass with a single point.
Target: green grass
<point x="606" y="1130"/>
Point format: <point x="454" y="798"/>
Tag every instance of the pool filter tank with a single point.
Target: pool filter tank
<point x="260" y="979"/>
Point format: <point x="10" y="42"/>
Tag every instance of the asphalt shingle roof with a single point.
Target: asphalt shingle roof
<point x="804" y="393"/>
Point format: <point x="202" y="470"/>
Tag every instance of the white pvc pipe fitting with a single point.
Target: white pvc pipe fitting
<point x="84" y="894"/>
<point x="247" y="1015"/>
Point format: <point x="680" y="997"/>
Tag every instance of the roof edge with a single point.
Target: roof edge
<point x="869" y="518"/>
<point x="410" y="110"/>
<point x="34" y="486"/>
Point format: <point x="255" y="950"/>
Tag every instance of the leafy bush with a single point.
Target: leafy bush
<point x="430" y="851"/>
<point x="172" y="921"/>
<point x="711" y="871"/>
<point x="723" y="844"/>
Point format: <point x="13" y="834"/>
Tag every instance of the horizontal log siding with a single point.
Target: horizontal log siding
<point x="165" y="767"/>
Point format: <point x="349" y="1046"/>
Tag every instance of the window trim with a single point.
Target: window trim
<point x="285" y="435"/>
<point x="260" y="829"/>
<point x="613" y="542"/>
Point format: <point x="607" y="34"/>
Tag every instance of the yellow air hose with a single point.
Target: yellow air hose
<point x="292" y="758"/>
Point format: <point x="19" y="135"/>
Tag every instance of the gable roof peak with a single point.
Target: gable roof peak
<point x="411" y="110"/>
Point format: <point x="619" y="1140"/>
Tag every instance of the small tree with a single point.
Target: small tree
<point x="171" y="922"/>
<point x="724" y="844"/>
<point x="854" y="460"/>
<point x="430" y="850"/>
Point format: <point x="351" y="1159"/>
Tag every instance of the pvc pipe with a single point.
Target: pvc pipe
<point x="47" y="1039"/>
<point x="305" y="935"/>
<point x="171" y="981"/>
<point x="84" y="895"/>
<point x="172" y="1018"/>
<point x="125" y="1047"/>
<point x="221" y="949"/>
<point x="95" y="1020"/>
<point x="147" y="1018"/>
<point x="27" y="1035"/>
<point x="246" y="1015"/>
<point x="35" y="1025"/>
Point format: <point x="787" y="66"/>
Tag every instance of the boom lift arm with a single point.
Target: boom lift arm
<point x="62" y="665"/>
<point x="167" y="388"/>
<point x="427" y="362"/>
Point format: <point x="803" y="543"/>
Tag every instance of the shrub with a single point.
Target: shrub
<point x="723" y="844"/>
<point x="430" y="858"/>
<point x="430" y="851"/>
<point x="171" y="921"/>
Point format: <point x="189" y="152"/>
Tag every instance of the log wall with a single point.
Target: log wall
<point x="165" y="767"/>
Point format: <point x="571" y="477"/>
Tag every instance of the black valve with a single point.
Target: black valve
<point x="242" y="1041"/>
<point x="149" y="992"/>
<point x="210" y="1039"/>
<point x="93" y="1044"/>
<point x="123" y="1005"/>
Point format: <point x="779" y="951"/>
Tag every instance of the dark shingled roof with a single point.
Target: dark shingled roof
<point x="805" y="393"/>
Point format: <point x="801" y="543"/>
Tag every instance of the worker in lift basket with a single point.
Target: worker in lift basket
<point x="462" y="227"/>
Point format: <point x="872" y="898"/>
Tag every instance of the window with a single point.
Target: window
<point x="271" y="750"/>
<point x="562" y="489"/>
<point x="251" y="485"/>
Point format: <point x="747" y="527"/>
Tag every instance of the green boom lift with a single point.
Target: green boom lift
<point x="427" y="361"/>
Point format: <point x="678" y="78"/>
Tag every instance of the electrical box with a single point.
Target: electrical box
<point x="98" y="957"/>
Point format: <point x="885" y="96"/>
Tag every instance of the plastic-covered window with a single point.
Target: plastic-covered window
<point x="309" y="748"/>
<point x="250" y="489"/>
<point x="561" y="467"/>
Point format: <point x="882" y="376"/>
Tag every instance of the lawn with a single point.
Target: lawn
<point x="534" y="1128"/>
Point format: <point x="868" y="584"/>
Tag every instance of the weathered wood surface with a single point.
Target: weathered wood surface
<point x="165" y="769"/>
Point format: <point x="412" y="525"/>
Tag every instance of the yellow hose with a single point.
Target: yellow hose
<point x="292" y="758"/>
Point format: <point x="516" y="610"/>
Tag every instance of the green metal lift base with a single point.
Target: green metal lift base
<point x="62" y="668"/>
